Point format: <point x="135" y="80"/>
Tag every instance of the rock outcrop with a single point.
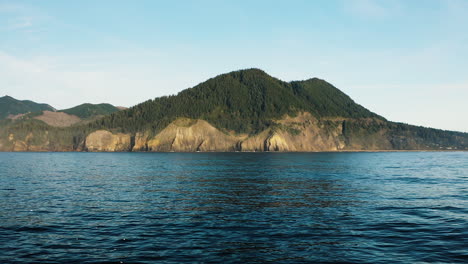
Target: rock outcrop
<point x="103" y="140"/>
<point x="300" y="133"/>
<point x="31" y="142"/>
<point x="186" y="135"/>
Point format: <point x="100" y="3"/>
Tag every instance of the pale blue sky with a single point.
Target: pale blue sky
<point x="405" y="60"/>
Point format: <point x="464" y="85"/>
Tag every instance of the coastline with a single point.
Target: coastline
<point x="331" y="151"/>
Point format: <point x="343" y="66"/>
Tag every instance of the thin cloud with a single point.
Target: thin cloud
<point x="17" y="17"/>
<point x="20" y="23"/>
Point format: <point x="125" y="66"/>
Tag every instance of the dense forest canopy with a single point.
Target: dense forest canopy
<point x="243" y="101"/>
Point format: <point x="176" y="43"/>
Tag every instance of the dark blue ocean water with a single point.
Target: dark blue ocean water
<point x="234" y="207"/>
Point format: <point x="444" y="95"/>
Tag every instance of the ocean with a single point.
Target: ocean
<point x="381" y="207"/>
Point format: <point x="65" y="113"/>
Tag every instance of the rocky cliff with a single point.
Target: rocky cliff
<point x="187" y="135"/>
<point x="302" y="132"/>
<point x="103" y="140"/>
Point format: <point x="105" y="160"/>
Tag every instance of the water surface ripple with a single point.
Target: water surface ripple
<point x="234" y="207"/>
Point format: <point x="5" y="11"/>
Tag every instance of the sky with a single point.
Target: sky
<point x="405" y="60"/>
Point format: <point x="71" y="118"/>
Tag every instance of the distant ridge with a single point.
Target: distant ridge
<point x="10" y="106"/>
<point x="90" y="110"/>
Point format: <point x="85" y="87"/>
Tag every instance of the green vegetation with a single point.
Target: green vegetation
<point x="86" y="111"/>
<point x="246" y="101"/>
<point x="35" y="132"/>
<point x="401" y="136"/>
<point x="325" y="100"/>
<point x="243" y="101"/>
<point x="11" y="106"/>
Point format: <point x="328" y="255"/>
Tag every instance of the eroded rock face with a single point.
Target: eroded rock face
<point x="290" y="134"/>
<point x="300" y="133"/>
<point x="19" y="146"/>
<point x="184" y="136"/>
<point x="255" y="143"/>
<point x="141" y="141"/>
<point x="103" y="140"/>
<point x="31" y="142"/>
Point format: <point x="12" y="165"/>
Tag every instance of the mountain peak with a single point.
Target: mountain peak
<point x="246" y="74"/>
<point x="244" y="101"/>
<point x="7" y="97"/>
<point x="251" y="71"/>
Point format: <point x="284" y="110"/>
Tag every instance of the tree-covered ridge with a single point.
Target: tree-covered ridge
<point x="247" y="101"/>
<point x="325" y="100"/>
<point x="244" y="101"/>
<point x="400" y="136"/>
<point x="85" y="111"/>
<point x="11" y="106"/>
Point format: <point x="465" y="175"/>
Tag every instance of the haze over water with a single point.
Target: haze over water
<point x="234" y="207"/>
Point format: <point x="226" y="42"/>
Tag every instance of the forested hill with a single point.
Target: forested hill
<point x="245" y="110"/>
<point x="243" y="101"/>
<point x="87" y="110"/>
<point x="10" y="106"/>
